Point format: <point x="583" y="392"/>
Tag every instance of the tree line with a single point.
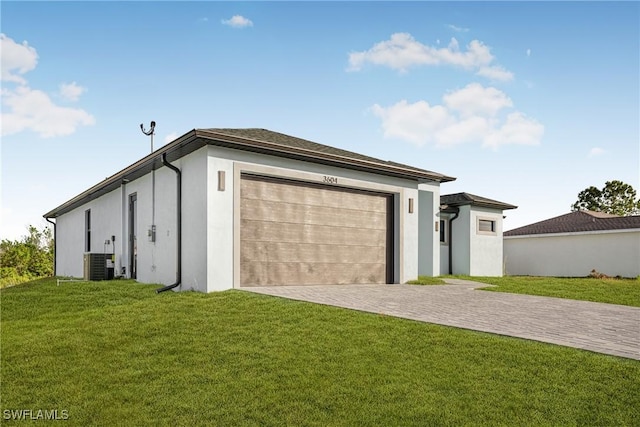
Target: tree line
<point x="28" y="258"/>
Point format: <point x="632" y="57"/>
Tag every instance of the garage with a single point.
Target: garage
<point x="301" y="233"/>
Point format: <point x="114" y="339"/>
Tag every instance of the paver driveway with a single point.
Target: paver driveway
<point x="603" y="328"/>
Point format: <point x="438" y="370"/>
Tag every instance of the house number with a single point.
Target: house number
<point x="330" y="179"/>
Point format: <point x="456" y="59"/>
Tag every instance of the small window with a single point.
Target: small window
<point x="443" y="233"/>
<point x="486" y="226"/>
<point x="87" y="230"/>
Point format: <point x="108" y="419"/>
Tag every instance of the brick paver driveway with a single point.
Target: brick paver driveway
<point x="603" y="328"/>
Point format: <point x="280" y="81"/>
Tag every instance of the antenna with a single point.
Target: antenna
<point x="150" y="132"/>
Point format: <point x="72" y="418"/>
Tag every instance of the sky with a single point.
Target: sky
<point x="527" y="103"/>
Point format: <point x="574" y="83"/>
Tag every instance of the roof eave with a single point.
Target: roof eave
<point x="255" y="145"/>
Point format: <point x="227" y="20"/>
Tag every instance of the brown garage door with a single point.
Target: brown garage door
<point x="295" y="233"/>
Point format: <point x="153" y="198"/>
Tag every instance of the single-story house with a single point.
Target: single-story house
<point x="471" y="235"/>
<point x="574" y="244"/>
<point x="226" y="208"/>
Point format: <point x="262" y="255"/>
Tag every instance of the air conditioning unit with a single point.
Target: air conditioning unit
<point x="98" y="266"/>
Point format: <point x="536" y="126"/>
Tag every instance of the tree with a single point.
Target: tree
<point x="28" y="258"/>
<point x="615" y="198"/>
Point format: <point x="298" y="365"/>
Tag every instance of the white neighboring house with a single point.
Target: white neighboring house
<point x="471" y="235"/>
<point x="224" y="208"/>
<point x="574" y="244"/>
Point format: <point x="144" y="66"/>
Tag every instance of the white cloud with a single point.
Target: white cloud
<point x="458" y="29"/>
<point x="16" y="58"/>
<point x="416" y="123"/>
<point x="475" y="99"/>
<point x="528" y="52"/>
<point x="169" y="138"/>
<point x="471" y="114"/>
<point x="402" y="51"/>
<point x="71" y="91"/>
<point x="238" y="21"/>
<point x="30" y="109"/>
<point x="517" y="130"/>
<point x="596" y="151"/>
<point x="25" y="108"/>
<point x="496" y="73"/>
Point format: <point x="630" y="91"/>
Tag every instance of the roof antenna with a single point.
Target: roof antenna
<point x="150" y="132"/>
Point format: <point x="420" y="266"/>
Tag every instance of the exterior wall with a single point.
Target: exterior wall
<point x="429" y="239"/>
<point x="461" y="252"/>
<point x="70" y="234"/>
<point x="444" y="246"/>
<point x="474" y="253"/>
<point x="210" y="219"/>
<point x="614" y="253"/>
<point x="110" y="217"/>
<point x="224" y="265"/>
<point x="485" y="248"/>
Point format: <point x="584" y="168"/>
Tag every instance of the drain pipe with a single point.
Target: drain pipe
<point x="179" y="231"/>
<point x="54" y="245"/>
<point x="457" y="212"/>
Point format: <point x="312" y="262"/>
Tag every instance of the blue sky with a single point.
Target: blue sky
<point x="526" y="103"/>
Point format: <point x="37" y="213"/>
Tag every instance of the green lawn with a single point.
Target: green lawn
<point x="115" y="353"/>
<point x="612" y="291"/>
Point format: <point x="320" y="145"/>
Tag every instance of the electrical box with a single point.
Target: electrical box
<point x="152" y="233"/>
<point x="98" y="266"/>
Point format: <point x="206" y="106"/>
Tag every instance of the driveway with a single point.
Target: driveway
<point x="603" y="328"/>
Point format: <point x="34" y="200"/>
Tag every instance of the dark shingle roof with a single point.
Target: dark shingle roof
<point x="313" y="148"/>
<point x="460" y="199"/>
<point x="576" y="222"/>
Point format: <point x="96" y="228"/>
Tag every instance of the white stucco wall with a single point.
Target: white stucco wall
<point x="70" y="234"/>
<point x="210" y="219"/>
<point x="429" y="239"/>
<point x="486" y="250"/>
<point x="574" y="255"/>
<point x="461" y="251"/>
<point x="474" y="253"/>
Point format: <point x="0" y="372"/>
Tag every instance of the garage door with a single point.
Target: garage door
<point x="298" y="233"/>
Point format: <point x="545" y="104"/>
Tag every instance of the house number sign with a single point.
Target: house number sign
<point x="330" y="179"/>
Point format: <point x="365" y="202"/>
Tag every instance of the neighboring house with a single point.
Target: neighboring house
<point x="224" y="208"/>
<point x="574" y="244"/>
<point x="471" y="235"/>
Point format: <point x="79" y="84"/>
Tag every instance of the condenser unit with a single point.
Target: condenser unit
<point x="98" y="266"/>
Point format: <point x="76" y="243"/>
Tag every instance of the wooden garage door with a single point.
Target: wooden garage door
<point x="294" y="233"/>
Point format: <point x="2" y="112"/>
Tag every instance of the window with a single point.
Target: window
<point x="443" y="234"/>
<point x="87" y="230"/>
<point x="486" y="226"/>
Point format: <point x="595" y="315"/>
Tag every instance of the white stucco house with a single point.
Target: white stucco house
<point x="225" y="208"/>
<point x="574" y="244"/>
<point x="471" y="235"/>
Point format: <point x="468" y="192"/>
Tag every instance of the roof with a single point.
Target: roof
<point x="461" y="199"/>
<point x="255" y="140"/>
<point x="578" y="221"/>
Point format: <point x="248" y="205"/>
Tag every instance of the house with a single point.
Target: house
<point x="574" y="244"/>
<point x="226" y="208"/>
<point x="471" y="235"/>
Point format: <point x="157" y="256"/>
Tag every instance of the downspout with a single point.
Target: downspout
<point x="457" y="212"/>
<point x="55" y="242"/>
<point x="179" y="230"/>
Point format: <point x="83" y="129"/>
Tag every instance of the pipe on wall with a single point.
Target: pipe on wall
<point x="179" y="225"/>
<point x="55" y="242"/>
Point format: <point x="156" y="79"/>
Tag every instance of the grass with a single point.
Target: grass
<point x="426" y="280"/>
<point x="115" y="353"/>
<point x="612" y="291"/>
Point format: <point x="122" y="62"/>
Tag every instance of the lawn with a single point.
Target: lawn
<point x="612" y="291"/>
<point x="115" y="353"/>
